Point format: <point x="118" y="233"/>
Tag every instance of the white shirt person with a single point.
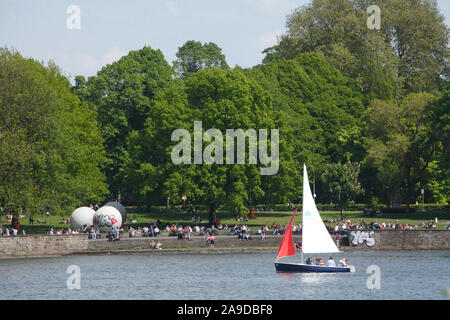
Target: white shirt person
<point x="331" y="262"/>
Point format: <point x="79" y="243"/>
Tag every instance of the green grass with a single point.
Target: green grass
<point x="261" y="218"/>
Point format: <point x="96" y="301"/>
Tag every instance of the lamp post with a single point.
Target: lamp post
<point x="314" y="179"/>
<point x="422" y="191"/>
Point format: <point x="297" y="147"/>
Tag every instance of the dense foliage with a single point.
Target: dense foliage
<point x="51" y="151"/>
<point x="368" y="111"/>
<point x="408" y="54"/>
<point x="122" y="94"/>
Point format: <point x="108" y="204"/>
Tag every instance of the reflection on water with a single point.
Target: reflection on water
<point x="224" y="276"/>
<point x="304" y="278"/>
<point x="313" y="278"/>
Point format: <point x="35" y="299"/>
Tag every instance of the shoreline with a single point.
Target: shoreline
<point x="210" y="251"/>
<point x="67" y="245"/>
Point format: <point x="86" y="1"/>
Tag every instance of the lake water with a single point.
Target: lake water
<point x="403" y="275"/>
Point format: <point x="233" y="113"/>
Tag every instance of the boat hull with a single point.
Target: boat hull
<point x="310" y="268"/>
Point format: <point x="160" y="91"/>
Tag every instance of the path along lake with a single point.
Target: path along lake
<point x="403" y="275"/>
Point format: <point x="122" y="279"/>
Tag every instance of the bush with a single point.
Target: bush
<point x="397" y="210"/>
<point x="432" y="207"/>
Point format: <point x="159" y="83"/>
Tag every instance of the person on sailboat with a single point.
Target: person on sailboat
<point x="319" y="261"/>
<point x="309" y="260"/>
<point x="331" y="262"/>
<point x="343" y="262"/>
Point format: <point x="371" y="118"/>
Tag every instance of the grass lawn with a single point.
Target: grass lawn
<point x="261" y="218"/>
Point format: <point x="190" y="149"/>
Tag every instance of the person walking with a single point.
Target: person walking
<point x="212" y="240"/>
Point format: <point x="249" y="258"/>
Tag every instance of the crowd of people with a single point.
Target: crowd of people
<point x="347" y="225"/>
<point x="6" y="231"/>
<point x="151" y="230"/>
<point x="114" y="235"/>
<point x="155" y="245"/>
<point x="210" y="238"/>
<point x="330" y="263"/>
<point x="240" y="229"/>
<point x="242" y="232"/>
<point x="181" y="232"/>
<point x="62" y="231"/>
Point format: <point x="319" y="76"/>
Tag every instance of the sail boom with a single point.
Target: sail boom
<point x="312" y="252"/>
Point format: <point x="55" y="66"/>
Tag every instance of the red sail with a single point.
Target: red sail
<point x="287" y="244"/>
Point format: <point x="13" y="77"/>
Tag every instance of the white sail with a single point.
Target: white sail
<point x="315" y="236"/>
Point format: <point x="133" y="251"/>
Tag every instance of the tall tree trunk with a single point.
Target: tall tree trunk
<point x="148" y="202"/>
<point x="212" y="214"/>
<point x="408" y="194"/>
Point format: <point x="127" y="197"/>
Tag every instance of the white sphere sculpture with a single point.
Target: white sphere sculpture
<point x="82" y="218"/>
<point x="118" y="206"/>
<point x="107" y="218"/>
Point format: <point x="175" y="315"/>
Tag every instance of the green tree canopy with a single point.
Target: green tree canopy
<point x="50" y="147"/>
<point x="408" y="54"/>
<point x="400" y="144"/>
<point x="321" y="106"/>
<point x="194" y="56"/>
<point x="341" y="181"/>
<point x="122" y="93"/>
<point x="439" y="170"/>
<point x="220" y="100"/>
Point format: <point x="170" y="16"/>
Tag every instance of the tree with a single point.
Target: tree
<point x="438" y="120"/>
<point x="342" y="182"/>
<point x="320" y="107"/>
<point x="50" y="148"/>
<point x="408" y="54"/>
<point x="400" y="144"/>
<point x="220" y="99"/>
<point x="417" y="32"/>
<point x="122" y="93"/>
<point x="194" y="56"/>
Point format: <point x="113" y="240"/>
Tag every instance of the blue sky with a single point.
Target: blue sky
<point x="111" y="28"/>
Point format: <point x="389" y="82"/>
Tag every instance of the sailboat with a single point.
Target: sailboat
<point x="315" y="238"/>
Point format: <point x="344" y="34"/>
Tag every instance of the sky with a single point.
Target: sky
<point x="108" y="29"/>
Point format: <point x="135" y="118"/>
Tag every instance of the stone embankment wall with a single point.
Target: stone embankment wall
<point x="399" y="240"/>
<point x="41" y="245"/>
<point x="44" y="245"/>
